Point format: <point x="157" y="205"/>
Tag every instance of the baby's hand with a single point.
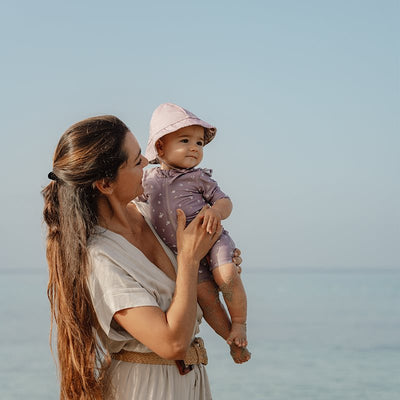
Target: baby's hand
<point x="212" y="220"/>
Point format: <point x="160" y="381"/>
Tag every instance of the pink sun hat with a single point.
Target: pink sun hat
<point x="168" y="118"/>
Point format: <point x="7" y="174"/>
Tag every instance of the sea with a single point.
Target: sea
<point x="323" y="334"/>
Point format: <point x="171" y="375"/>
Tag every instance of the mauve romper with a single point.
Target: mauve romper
<point x="190" y="190"/>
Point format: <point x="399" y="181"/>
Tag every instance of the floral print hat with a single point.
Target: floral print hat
<point x="168" y="118"/>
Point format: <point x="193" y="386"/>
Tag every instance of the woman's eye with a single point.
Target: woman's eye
<point x="140" y="161"/>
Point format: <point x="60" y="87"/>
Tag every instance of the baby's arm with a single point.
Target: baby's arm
<point x="220" y="210"/>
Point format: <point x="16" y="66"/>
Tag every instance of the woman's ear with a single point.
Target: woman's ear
<point x="104" y="186"/>
<point x="160" y="147"/>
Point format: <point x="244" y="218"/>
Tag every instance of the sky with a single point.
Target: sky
<point x="305" y="96"/>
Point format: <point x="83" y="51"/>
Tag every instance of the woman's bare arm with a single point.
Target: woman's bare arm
<point x="168" y="334"/>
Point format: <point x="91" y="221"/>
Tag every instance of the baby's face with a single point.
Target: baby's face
<point x="182" y="148"/>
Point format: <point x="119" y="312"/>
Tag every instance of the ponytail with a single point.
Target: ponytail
<point x="70" y="212"/>
<point x="79" y="353"/>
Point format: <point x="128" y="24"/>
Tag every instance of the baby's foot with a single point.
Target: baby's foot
<point x="240" y="354"/>
<point x="237" y="335"/>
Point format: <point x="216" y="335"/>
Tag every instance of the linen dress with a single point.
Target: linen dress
<point x="122" y="277"/>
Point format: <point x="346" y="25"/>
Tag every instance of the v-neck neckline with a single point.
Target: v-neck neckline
<point x="164" y="247"/>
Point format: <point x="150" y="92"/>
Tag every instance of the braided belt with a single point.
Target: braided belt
<point x="196" y="354"/>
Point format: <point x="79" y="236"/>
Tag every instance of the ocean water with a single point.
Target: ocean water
<point x="314" y="334"/>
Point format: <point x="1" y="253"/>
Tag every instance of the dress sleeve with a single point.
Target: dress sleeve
<point x="209" y="187"/>
<point x="112" y="289"/>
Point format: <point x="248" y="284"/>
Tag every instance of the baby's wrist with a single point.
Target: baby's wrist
<point x="243" y="323"/>
<point x="217" y="212"/>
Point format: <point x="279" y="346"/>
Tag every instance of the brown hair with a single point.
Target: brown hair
<point x="88" y="151"/>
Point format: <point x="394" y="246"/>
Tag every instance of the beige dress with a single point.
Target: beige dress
<point x="122" y="277"/>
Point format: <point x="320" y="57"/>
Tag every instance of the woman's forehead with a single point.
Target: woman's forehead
<point x="131" y="145"/>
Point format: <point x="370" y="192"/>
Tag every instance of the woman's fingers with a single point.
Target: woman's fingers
<point x="237" y="252"/>
<point x="181" y="220"/>
<point x="212" y="225"/>
<point x="203" y="210"/>
<point x="207" y="224"/>
<point x="194" y="237"/>
<point x="237" y="260"/>
<point x="215" y="236"/>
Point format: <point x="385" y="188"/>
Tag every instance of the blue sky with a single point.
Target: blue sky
<point x="305" y="96"/>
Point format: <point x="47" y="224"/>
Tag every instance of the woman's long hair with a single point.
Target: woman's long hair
<point x="88" y="151"/>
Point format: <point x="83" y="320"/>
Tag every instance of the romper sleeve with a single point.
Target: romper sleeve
<point x="209" y="187"/>
<point x="112" y="289"/>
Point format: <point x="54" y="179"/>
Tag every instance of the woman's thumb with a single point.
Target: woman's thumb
<point x="181" y="220"/>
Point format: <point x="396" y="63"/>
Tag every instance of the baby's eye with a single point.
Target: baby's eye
<point x="185" y="140"/>
<point x="200" y="143"/>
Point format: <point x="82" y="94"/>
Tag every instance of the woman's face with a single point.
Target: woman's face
<point x="128" y="184"/>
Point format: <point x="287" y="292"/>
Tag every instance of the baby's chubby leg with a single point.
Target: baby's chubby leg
<point x="231" y="286"/>
<point x="214" y="311"/>
<point x="216" y="316"/>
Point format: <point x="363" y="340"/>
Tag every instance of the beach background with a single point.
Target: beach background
<point x="305" y="96"/>
<point x="314" y="335"/>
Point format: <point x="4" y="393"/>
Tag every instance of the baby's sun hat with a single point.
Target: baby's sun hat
<point x="168" y="118"/>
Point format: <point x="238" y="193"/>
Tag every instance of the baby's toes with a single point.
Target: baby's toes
<point x="240" y="342"/>
<point x="246" y="356"/>
<point x="230" y="339"/>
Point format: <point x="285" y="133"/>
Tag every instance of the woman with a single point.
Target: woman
<point x="125" y="308"/>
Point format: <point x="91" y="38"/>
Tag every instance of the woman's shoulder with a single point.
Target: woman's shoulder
<point x="110" y="254"/>
<point x="103" y="248"/>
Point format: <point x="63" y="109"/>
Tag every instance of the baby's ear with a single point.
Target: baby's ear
<point x="160" y="147"/>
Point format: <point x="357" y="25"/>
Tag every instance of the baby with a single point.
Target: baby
<point x="176" y="141"/>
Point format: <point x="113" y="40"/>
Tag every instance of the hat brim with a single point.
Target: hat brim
<point x="151" y="152"/>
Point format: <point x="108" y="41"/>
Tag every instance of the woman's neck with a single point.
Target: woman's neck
<point x="117" y="217"/>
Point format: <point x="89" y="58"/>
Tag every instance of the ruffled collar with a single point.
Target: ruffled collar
<point x="170" y="173"/>
<point x="174" y="172"/>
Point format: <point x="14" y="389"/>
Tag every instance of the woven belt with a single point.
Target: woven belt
<point x="196" y="354"/>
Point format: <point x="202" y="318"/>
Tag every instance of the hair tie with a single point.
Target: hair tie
<point x="51" y="175"/>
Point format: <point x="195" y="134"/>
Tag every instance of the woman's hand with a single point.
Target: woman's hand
<point x="169" y="333"/>
<point x="237" y="260"/>
<point x="194" y="240"/>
